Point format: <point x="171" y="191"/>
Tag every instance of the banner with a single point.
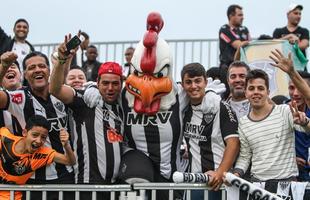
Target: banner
<point x="241" y="189"/>
<point x="256" y="55"/>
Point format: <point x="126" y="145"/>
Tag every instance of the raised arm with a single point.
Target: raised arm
<point x="57" y="87"/>
<point x="68" y="158"/>
<point x="286" y="65"/>
<point x="7" y="59"/>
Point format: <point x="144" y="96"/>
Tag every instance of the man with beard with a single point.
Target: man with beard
<point x="236" y="74"/>
<point x="18" y="44"/>
<point x="292" y="32"/>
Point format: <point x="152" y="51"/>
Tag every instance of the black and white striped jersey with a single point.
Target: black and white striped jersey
<point x="159" y="136"/>
<point x="23" y="104"/>
<point x="9" y="121"/>
<point x="97" y="134"/>
<point x="205" y="132"/>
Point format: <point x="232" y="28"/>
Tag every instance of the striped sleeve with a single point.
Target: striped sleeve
<point x="245" y="154"/>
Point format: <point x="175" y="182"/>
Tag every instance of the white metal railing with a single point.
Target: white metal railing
<point x="136" y="191"/>
<point x="204" y="51"/>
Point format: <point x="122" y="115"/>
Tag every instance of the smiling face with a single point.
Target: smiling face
<point x="194" y="88"/>
<point x="12" y="78"/>
<point x="257" y="93"/>
<point x="37" y="73"/>
<point x="295" y="95"/>
<point x="236" y="82"/>
<point x="21" y="30"/>
<point x="34" y="138"/>
<point x="76" y="78"/>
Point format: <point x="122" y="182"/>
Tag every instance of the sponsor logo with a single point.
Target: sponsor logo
<point x="208" y="117"/>
<point x="17" y="98"/>
<point x="159" y="118"/>
<point x="58" y="123"/>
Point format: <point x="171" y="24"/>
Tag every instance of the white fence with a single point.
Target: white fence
<point x="204" y="51"/>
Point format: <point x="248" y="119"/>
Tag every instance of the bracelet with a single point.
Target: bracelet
<point x="62" y="61"/>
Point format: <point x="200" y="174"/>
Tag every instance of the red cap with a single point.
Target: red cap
<point x="110" y="68"/>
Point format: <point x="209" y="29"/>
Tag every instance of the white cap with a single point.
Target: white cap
<point x="293" y="6"/>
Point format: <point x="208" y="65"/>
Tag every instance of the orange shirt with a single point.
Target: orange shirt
<point x="18" y="168"/>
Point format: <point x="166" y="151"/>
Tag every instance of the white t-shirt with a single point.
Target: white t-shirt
<point x="21" y="49"/>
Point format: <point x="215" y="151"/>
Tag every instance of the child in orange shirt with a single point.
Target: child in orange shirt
<point x="21" y="156"/>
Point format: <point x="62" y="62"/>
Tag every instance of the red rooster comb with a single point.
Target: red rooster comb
<point x="154" y="24"/>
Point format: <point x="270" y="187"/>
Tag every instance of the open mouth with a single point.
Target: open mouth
<point x="38" y="77"/>
<point x="35" y="146"/>
<point x="10" y="75"/>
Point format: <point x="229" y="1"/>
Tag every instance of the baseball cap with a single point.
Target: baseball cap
<point x="110" y="68"/>
<point x="293" y="6"/>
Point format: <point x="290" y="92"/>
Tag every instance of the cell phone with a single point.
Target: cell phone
<point x="72" y="44"/>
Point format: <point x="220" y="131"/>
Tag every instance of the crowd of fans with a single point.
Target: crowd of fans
<point x="89" y="131"/>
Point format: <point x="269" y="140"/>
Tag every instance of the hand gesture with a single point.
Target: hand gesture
<point x="216" y="179"/>
<point x="8" y="58"/>
<point x="216" y="86"/>
<point x="62" y="49"/>
<point x="63" y="136"/>
<point x="298" y="117"/>
<point x="281" y="62"/>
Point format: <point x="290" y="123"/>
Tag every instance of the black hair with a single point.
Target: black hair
<point x="37" y="120"/>
<point x="255" y="74"/>
<point x="238" y="64"/>
<point x="214" y="73"/>
<point x="92" y="46"/>
<point x="193" y="69"/>
<point x="21" y="20"/>
<point x="35" y="53"/>
<point x="279" y="99"/>
<point x="264" y="37"/>
<point x="231" y="10"/>
<point x="86" y="36"/>
<point x="77" y="67"/>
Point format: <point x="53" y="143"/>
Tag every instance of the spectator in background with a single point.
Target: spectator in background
<point x="78" y="59"/>
<point x="231" y="37"/>
<point x="279" y="99"/>
<point x="128" y="55"/>
<point x="214" y="73"/>
<point x="236" y="74"/>
<point x="18" y="44"/>
<point x="292" y="31"/>
<point x="91" y="65"/>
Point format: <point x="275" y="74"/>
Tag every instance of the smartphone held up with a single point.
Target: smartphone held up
<point x="72" y="44"/>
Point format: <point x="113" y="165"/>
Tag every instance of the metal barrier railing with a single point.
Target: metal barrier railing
<point x="136" y="191"/>
<point x="204" y="51"/>
<point x="122" y="189"/>
<point x="187" y="187"/>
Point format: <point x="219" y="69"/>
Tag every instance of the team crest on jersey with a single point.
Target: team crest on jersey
<point x="60" y="106"/>
<point x="208" y="117"/>
<point x="17" y="98"/>
<point x="21" y="165"/>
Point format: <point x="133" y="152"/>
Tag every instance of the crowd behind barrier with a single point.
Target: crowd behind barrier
<point x="204" y="51"/>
